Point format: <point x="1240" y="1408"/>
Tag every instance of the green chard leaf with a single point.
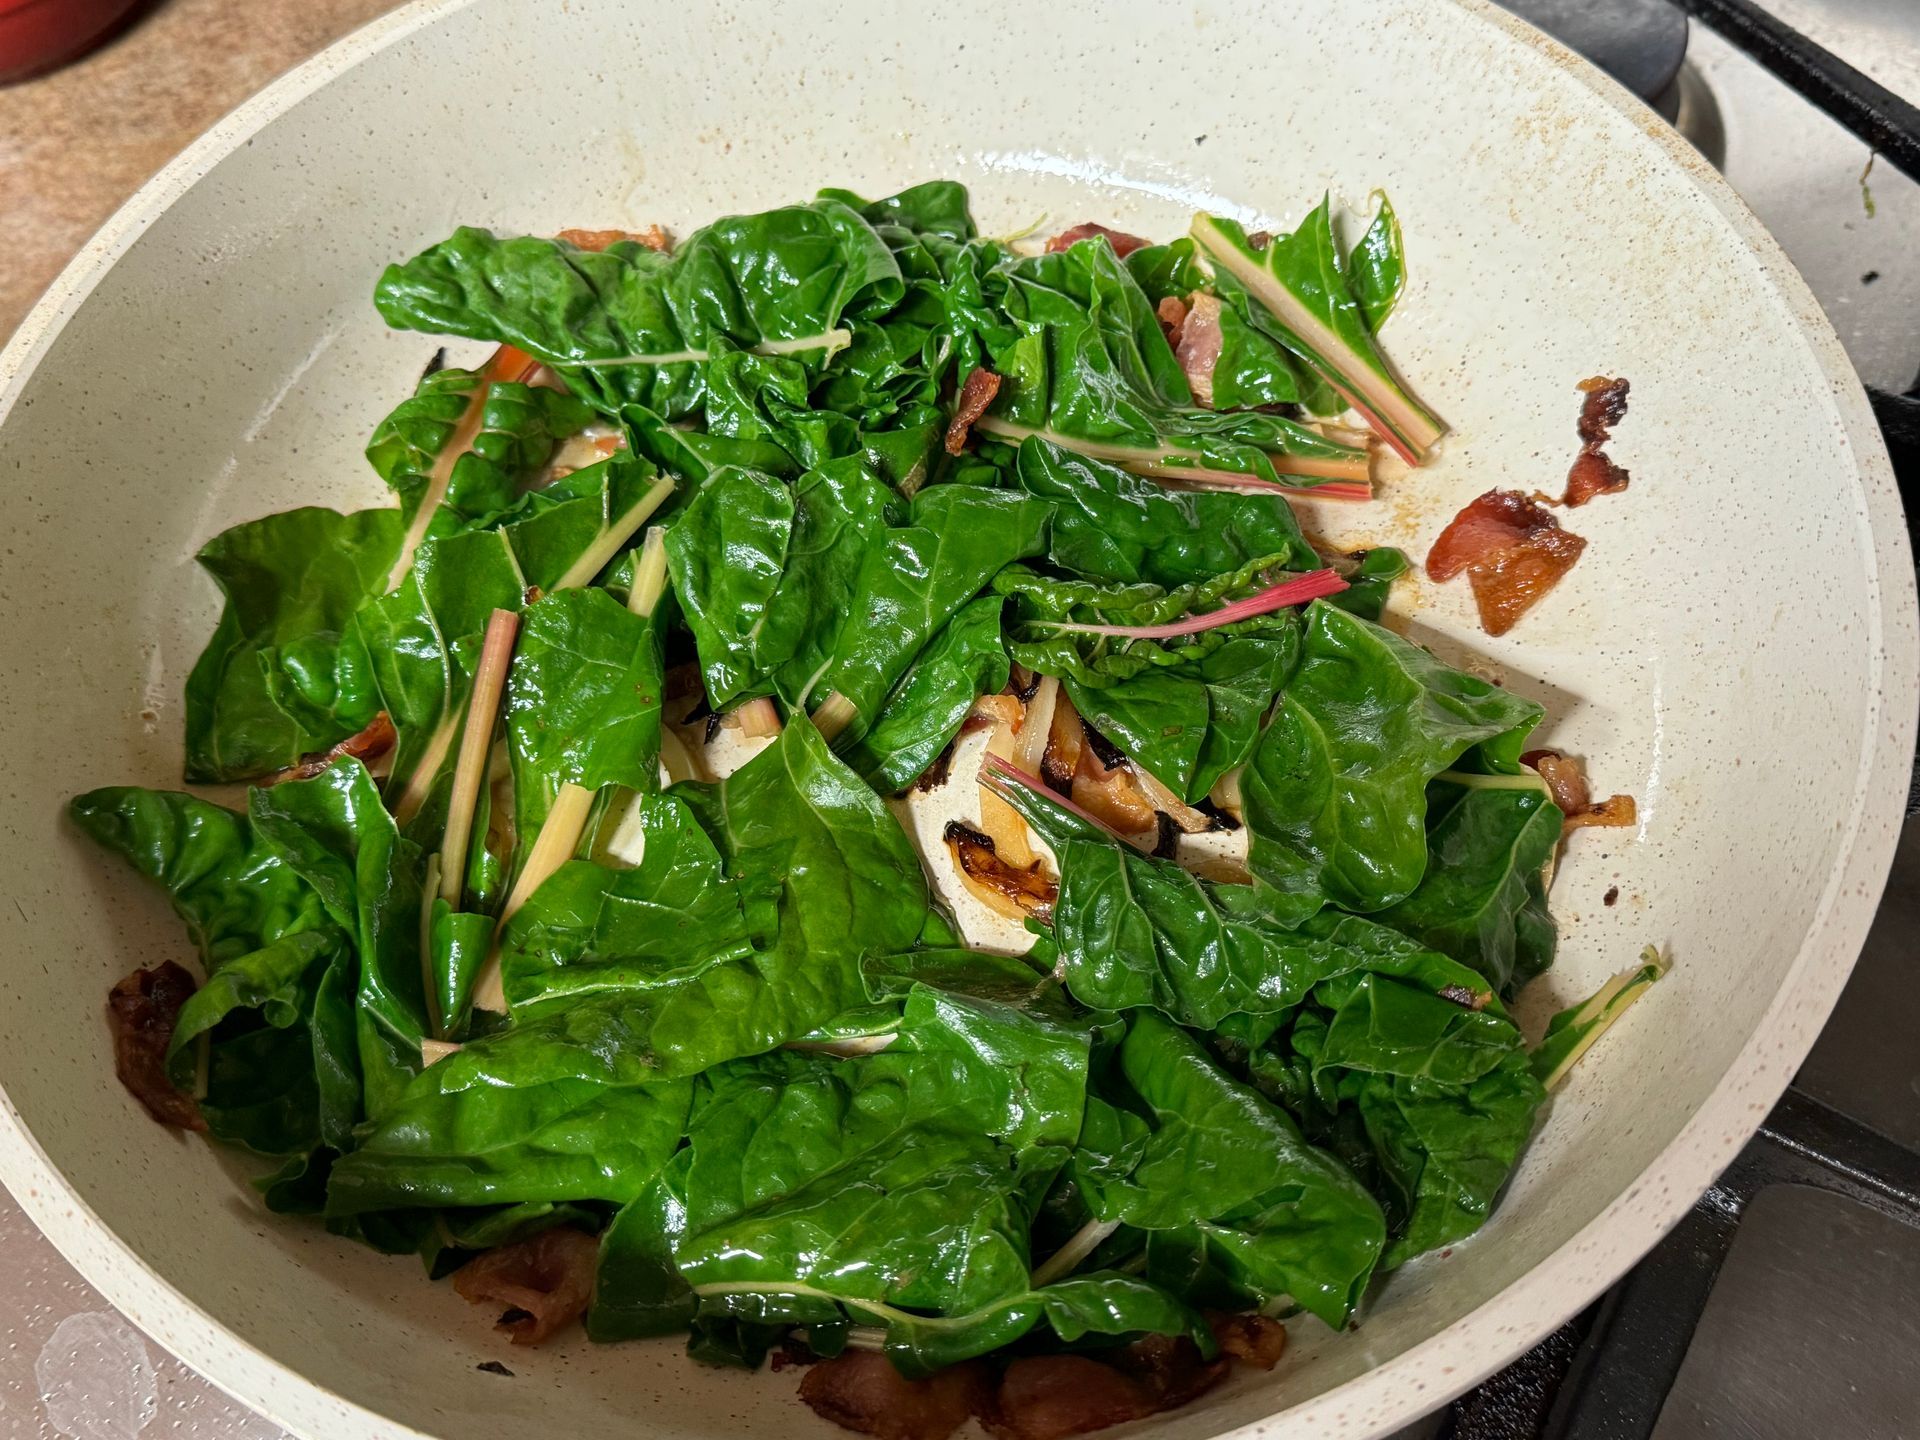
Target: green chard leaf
<point x="781" y="281"/>
<point x="1483" y="899"/>
<point x="1335" y="789"/>
<point x="766" y="573"/>
<point x="1300" y="290"/>
<point x="965" y="660"/>
<point x="1084" y="363"/>
<point x="582" y="702"/>
<point x="271" y="684"/>
<point x="1200" y="1153"/>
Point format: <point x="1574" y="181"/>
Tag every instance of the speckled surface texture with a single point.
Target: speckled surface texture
<point x="1556" y="231"/>
<point x="73" y="146"/>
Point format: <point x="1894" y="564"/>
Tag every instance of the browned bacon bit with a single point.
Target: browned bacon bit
<point x="1172" y="312"/>
<point x="366" y="746"/>
<point x="1513" y="551"/>
<point x="1012" y="890"/>
<point x="1199" y="349"/>
<point x="1614" y="812"/>
<point x="544" y="1282"/>
<point x="653" y="237"/>
<point x="1566" y="780"/>
<point x="1593" y="472"/>
<point x="1123" y="244"/>
<point x="1612" y="897"/>
<point x="143" y="1009"/>
<point x="860" y="1390"/>
<point x="1254" y="1339"/>
<point x="1463" y="996"/>
<point x="1259" y="239"/>
<point x="1567" y="783"/>
<point x="976" y="394"/>
<point x="1170" y="1366"/>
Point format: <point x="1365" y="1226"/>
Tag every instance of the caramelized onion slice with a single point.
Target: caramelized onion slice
<point x="1011" y="890"/>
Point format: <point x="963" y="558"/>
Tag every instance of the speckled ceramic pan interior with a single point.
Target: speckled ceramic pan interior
<point x="1736" y="648"/>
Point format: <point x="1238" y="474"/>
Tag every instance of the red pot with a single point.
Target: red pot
<point x="37" y="35"/>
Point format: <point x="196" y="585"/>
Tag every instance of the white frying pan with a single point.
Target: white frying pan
<point x="1736" y="648"/>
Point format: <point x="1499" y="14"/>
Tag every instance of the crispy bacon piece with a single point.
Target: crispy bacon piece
<point x="1199" y="348"/>
<point x="1172" y="312"/>
<point x="860" y="1390"/>
<point x="366" y="746"/>
<point x="1015" y="891"/>
<point x="143" y="1009"/>
<point x="653" y="237"/>
<point x="544" y="1282"/>
<point x="1048" y="1397"/>
<point x="1593" y="472"/>
<point x="1123" y="244"/>
<point x="1513" y="551"/>
<point x="1254" y="1339"/>
<point x="1613" y="813"/>
<point x="1170" y="1366"/>
<point x="976" y="394"/>
<point x="1567" y="782"/>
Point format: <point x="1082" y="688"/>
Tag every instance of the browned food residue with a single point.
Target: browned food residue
<point x="1612" y="897"/>
<point x="1594" y="472"/>
<point x="1512" y="550"/>
<point x="976" y="394"/>
<point x="143" y="1009"/>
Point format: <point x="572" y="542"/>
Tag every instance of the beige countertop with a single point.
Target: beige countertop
<point x="76" y="143"/>
<point x="73" y="146"/>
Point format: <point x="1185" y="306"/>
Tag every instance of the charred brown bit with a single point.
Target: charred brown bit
<point x="976" y="394"/>
<point x="544" y="1283"/>
<point x="860" y="1390"/>
<point x="1166" y="837"/>
<point x="1259" y="239"/>
<point x="1612" y="897"/>
<point x="1013" y="890"/>
<point x="366" y="746"/>
<point x="1513" y="551"/>
<point x="1567" y="783"/>
<point x="143" y="1009"/>
<point x="1201" y="340"/>
<point x="1253" y="1339"/>
<point x="1172" y="313"/>
<point x="935" y="775"/>
<point x="1123" y="244"/>
<point x="1461" y="995"/>
<point x="653" y="237"/>
<point x="1593" y="472"/>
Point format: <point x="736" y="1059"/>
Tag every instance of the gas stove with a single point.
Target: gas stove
<point x="1782" y="1307"/>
